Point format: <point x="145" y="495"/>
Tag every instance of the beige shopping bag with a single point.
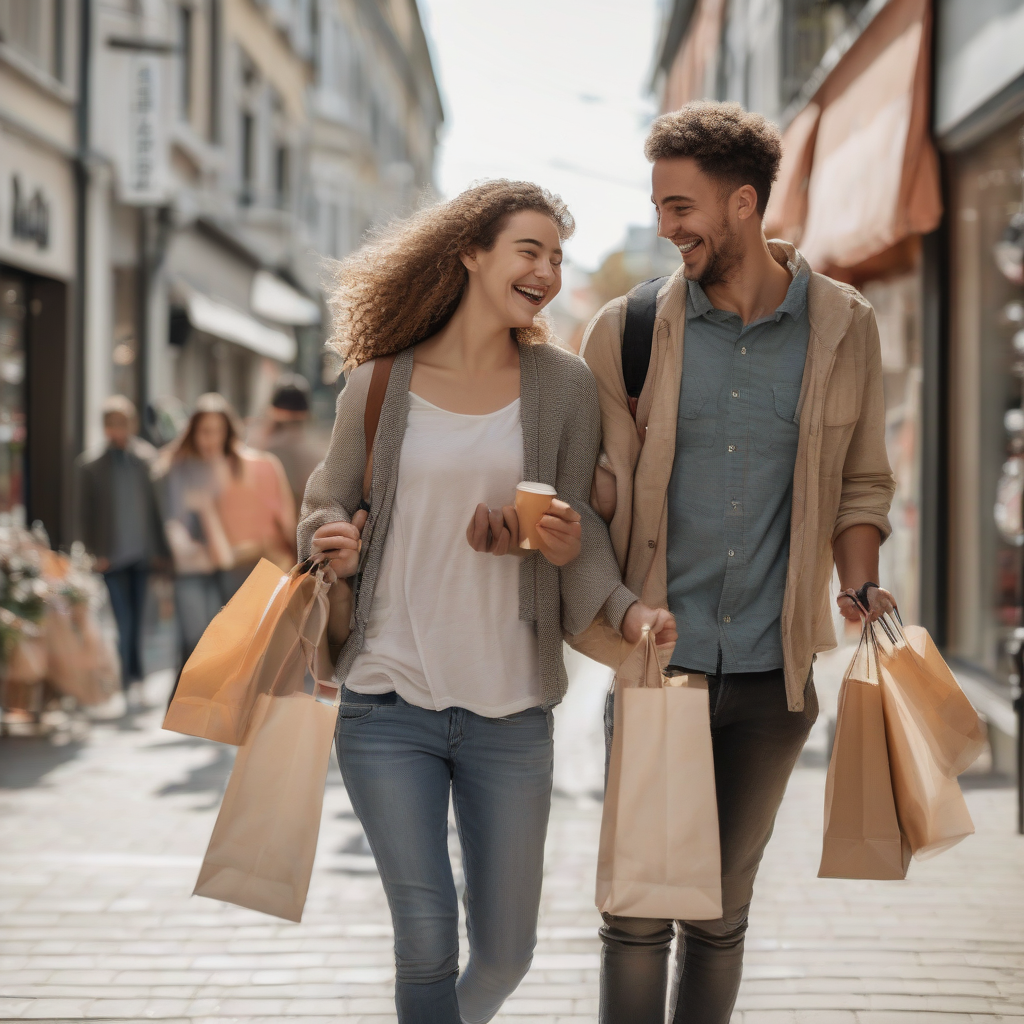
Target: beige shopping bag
<point x="862" y="837"/>
<point x="931" y="809"/>
<point x="913" y="668"/>
<point x="263" y="844"/>
<point x="659" y="854"/>
<point x="77" y="665"/>
<point x="241" y="653"/>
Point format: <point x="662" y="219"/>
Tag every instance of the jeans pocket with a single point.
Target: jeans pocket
<point x="522" y="716"/>
<point x="354" y="711"/>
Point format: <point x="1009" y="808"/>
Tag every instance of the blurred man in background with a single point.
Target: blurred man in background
<point x="119" y="522"/>
<point x="288" y="435"/>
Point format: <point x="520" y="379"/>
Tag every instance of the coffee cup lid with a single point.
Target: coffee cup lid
<point x="535" y="488"/>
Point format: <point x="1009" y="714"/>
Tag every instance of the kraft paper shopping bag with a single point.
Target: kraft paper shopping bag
<point x="862" y="837"/>
<point x="264" y="841"/>
<point x="931" y="809"/>
<point x="241" y="653"/>
<point x="659" y="854"/>
<point x="912" y="667"/>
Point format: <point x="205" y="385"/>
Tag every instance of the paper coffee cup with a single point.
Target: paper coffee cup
<point x="532" y="501"/>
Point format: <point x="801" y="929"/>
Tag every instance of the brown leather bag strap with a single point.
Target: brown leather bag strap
<point x="371" y="415"/>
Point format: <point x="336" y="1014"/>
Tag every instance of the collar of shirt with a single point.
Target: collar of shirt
<point x="793" y="305"/>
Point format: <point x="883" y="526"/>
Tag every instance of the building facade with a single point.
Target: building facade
<point x="173" y="174"/>
<point x="902" y="174"/>
<point x="39" y="161"/>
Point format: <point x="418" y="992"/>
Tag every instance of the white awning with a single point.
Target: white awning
<point x="273" y="298"/>
<point x="223" y="321"/>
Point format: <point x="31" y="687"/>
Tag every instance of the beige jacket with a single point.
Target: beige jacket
<point x="841" y="478"/>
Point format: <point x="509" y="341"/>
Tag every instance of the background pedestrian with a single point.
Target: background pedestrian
<point x="118" y="521"/>
<point x="287" y="434"/>
<point x="192" y="471"/>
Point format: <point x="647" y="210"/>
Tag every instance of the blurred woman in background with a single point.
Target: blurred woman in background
<point x="225" y="506"/>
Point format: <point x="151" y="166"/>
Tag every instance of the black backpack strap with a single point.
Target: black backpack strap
<point x="638" y="336"/>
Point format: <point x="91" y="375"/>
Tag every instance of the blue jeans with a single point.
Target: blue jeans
<point x="400" y="763"/>
<point x="127" y="589"/>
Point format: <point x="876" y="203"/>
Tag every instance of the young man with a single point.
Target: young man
<point x="288" y="437"/>
<point x="755" y="459"/>
<point x="120" y="524"/>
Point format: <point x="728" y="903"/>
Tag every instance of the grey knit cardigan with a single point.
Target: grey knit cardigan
<point x="561" y="437"/>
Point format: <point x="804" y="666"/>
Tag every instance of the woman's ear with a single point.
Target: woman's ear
<point x="469" y="260"/>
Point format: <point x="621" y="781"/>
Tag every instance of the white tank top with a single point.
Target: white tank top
<point x="444" y="628"/>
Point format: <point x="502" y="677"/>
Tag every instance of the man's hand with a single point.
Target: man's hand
<point x="880" y="602"/>
<point x="494" y="531"/>
<point x="339" y="544"/>
<point x="561" y="533"/>
<point x="662" y="623"/>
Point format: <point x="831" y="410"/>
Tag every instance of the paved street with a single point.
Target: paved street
<point x="102" y="838"/>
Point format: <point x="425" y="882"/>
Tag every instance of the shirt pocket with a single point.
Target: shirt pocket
<point x="780" y="431"/>
<point x="697" y="414"/>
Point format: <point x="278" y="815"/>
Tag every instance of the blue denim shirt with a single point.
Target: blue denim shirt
<point x="731" y="491"/>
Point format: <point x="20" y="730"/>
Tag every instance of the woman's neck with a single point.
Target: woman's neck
<point x="471" y="365"/>
<point x="474" y="342"/>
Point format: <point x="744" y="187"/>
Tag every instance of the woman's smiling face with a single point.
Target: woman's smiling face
<point x="522" y="272"/>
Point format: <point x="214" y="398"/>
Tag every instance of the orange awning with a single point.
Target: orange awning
<point x="787" y="207"/>
<point x="874" y="176"/>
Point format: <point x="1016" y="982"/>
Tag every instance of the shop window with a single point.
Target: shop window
<point x="987" y="424"/>
<point x="809" y="28"/>
<point x="185" y="65"/>
<point x="213" y="70"/>
<point x="59" y="40"/>
<point x="124" y="350"/>
<point x="13" y="315"/>
<point x="897" y="305"/>
<point x="248" y="156"/>
<point x="281" y="182"/>
<point x="35" y="29"/>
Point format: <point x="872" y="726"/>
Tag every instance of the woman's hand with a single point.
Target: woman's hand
<point x="661" y="621"/>
<point x="560" y="531"/>
<point x="494" y="531"/>
<point x="880" y="602"/>
<point x="339" y="544"/>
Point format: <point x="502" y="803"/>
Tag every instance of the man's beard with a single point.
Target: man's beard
<point x="722" y="260"/>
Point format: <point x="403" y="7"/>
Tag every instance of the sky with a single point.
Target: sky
<point x="552" y="91"/>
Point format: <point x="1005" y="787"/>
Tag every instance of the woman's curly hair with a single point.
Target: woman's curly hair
<point x="405" y="284"/>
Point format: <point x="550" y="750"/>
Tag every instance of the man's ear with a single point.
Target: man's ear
<point x="745" y="198"/>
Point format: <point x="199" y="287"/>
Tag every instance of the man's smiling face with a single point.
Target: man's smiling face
<point x="694" y="213"/>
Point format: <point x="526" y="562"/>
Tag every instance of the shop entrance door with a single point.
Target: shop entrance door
<point x="35" y="450"/>
<point x="14" y="313"/>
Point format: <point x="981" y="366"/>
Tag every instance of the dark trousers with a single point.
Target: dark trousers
<point x="127" y="588"/>
<point x="756" y="741"/>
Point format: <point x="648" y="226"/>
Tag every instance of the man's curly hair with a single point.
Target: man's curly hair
<point x="729" y="144"/>
<point x="405" y="284"/>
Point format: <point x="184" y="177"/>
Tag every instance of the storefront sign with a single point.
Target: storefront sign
<point x="36" y="208"/>
<point x="144" y="178"/>
<point x="30" y="215"/>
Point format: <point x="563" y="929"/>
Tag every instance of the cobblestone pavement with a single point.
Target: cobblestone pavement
<point x="101" y="840"/>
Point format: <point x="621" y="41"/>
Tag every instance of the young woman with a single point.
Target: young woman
<point x="454" y="660"/>
<point x="225" y="507"/>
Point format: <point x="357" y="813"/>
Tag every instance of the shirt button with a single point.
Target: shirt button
<point x="731" y="552"/>
<point x="727" y="618"/>
<point x="650" y="543"/>
<point x="732" y="447"/>
<point x="735" y="394"/>
<point x="743" y="351"/>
